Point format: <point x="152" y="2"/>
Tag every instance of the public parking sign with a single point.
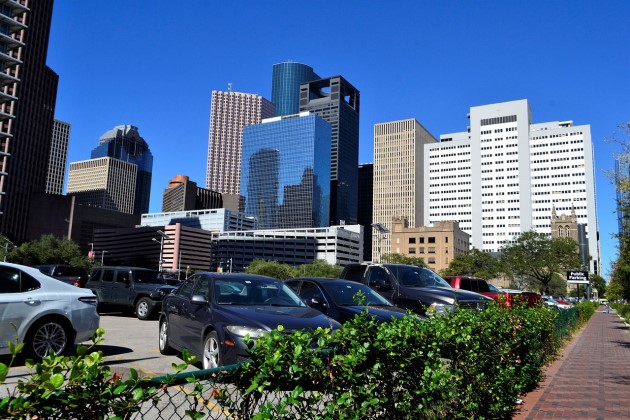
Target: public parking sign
<point x="577" y="277"/>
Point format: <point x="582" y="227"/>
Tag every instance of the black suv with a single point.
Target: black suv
<point x="415" y="288"/>
<point x="129" y="288"/>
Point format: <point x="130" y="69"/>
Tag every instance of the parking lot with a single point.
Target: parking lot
<point x="128" y="343"/>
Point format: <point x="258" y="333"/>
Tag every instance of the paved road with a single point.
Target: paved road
<point x="128" y="343"/>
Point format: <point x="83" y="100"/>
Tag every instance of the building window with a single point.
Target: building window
<point x="422" y="250"/>
<point x="446" y="250"/>
<point x="431" y="260"/>
<point x="412" y="240"/>
<point x="431" y="250"/>
<point x="422" y="239"/>
<point x="431" y="239"/>
<point x="446" y="240"/>
<point x="412" y="250"/>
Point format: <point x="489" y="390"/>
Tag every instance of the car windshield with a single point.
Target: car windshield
<point x="344" y="294"/>
<point x="416" y="276"/>
<point x="493" y="288"/>
<point x="254" y="292"/>
<point x="149" y="276"/>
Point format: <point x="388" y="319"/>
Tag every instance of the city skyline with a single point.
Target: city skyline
<point x="429" y="62"/>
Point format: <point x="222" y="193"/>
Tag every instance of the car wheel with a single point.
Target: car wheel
<point x="211" y="351"/>
<point x="163" y="339"/>
<point x="143" y="308"/>
<point x="48" y="335"/>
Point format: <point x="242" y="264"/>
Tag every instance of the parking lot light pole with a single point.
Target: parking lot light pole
<point x="380" y="231"/>
<point x="6" y="248"/>
<point x="161" y="242"/>
<point x="103" y="256"/>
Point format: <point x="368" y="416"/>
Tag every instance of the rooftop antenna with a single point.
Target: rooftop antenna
<point x="230" y="87"/>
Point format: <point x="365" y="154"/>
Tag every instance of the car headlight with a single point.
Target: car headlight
<point x="241" y="331"/>
<point x="439" y="309"/>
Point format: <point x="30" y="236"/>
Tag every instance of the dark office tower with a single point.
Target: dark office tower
<point x="124" y="143"/>
<point x="285" y="86"/>
<point x="28" y="91"/>
<point x="262" y="191"/>
<point x="58" y="157"/>
<point x="364" y="214"/>
<point x="183" y="194"/>
<point x="336" y="101"/>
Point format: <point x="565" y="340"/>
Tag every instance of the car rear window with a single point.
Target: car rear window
<point x="69" y="271"/>
<point x="148" y="276"/>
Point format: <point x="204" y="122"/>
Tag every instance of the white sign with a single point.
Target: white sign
<point x="577" y="277"/>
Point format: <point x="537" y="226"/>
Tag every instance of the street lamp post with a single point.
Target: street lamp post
<point x="103" y="256"/>
<point x="161" y="242"/>
<point x="380" y="231"/>
<point x="6" y="248"/>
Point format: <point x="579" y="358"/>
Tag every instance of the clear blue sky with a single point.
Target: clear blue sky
<point x="154" y="63"/>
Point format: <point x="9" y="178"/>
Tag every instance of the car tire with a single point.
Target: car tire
<point x="163" y="345"/>
<point x="46" y="335"/>
<point x="143" y="308"/>
<point x="212" y="357"/>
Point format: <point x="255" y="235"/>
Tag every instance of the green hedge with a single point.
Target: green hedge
<point x="467" y="365"/>
<point x="622" y="309"/>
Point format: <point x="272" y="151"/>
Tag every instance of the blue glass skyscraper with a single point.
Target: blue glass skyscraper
<point x="285" y="171"/>
<point x="285" y="86"/>
<point x="125" y="143"/>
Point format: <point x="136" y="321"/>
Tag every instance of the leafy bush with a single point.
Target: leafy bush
<point x="467" y="365"/>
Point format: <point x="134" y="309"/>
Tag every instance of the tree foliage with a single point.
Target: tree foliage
<point x="403" y="259"/>
<point x="477" y="263"/>
<point x="538" y="257"/>
<point x="49" y="250"/>
<point x="271" y="269"/>
<point x="319" y="268"/>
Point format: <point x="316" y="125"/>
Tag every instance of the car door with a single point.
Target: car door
<point x="378" y="279"/>
<point x="174" y="308"/>
<point x="19" y="302"/>
<point x="120" y="293"/>
<point x="314" y="296"/>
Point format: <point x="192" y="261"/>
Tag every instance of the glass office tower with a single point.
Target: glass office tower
<point x="125" y="143"/>
<point x="285" y="86"/>
<point x="285" y="171"/>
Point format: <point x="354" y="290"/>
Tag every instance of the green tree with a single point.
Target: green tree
<point x="319" y="268"/>
<point x="598" y="283"/>
<point x="49" y="250"/>
<point x="403" y="259"/>
<point x="614" y="290"/>
<point x="539" y="257"/>
<point x="476" y="263"/>
<point x="5" y="248"/>
<point x="271" y="269"/>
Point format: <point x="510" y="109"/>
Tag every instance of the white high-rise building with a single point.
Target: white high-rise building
<point x="505" y="174"/>
<point x="399" y="156"/>
<point x="229" y="113"/>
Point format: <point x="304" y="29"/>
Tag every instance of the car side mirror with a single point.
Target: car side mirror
<point x="318" y="301"/>
<point x="199" y="300"/>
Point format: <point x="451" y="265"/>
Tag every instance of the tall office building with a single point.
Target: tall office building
<point x="123" y="142"/>
<point x="105" y="183"/>
<point x="505" y="174"/>
<point x="364" y="214"/>
<point x="398" y="169"/>
<point x="28" y="91"/>
<point x="183" y="194"/>
<point x="337" y="101"/>
<point x="58" y="157"/>
<point x="229" y="113"/>
<point x="285" y="86"/>
<point x="285" y="175"/>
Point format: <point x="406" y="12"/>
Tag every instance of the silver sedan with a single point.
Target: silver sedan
<point x="42" y="312"/>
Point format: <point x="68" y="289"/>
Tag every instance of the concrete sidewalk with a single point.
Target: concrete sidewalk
<point x="591" y="379"/>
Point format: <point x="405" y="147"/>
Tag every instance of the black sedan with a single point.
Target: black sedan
<point x="338" y="298"/>
<point x="211" y="313"/>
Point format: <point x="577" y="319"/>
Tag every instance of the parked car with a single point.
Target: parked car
<point x="337" y="299"/>
<point x="505" y="297"/>
<point x="43" y="313"/>
<point x="211" y="313"/>
<point x="77" y="276"/>
<point x="415" y="288"/>
<point x="140" y="290"/>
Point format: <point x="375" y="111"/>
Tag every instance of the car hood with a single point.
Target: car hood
<point x="444" y="295"/>
<point x="381" y="313"/>
<point x="291" y="318"/>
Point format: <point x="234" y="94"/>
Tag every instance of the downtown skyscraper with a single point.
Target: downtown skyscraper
<point x="58" y="157"/>
<point x="28" y="92"/>
<point x="336" y="101"/>
<point x="229" y="113"/>
<point x="286" y="80"/>
<point x="505" y="175"/>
